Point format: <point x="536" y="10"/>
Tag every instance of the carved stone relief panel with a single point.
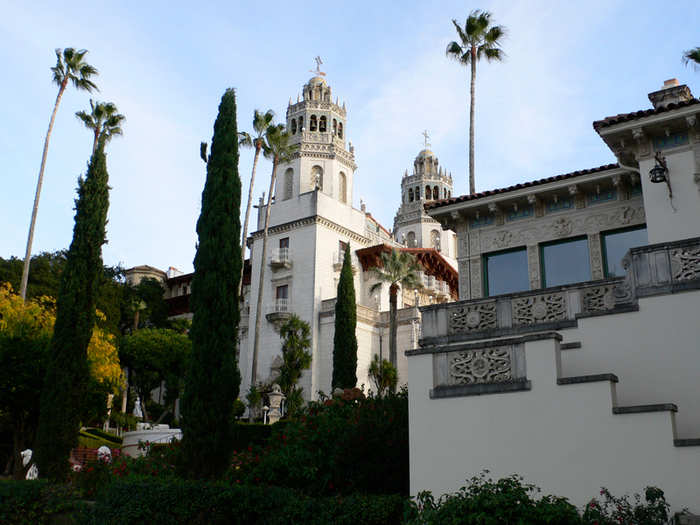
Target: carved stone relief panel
<point x="685" y="264"/>
<point x="598" y="299"/>
<point x="539" y="309"/>
<point x="533" y="266"/>
<point x="595" y="256"/>
<point x="472" y="318"/>
<point x="490" y="365"/>
<point x="464" y="288"/>
<point x="475" y="277"/>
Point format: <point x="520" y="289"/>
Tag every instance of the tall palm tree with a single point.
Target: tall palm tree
<point x="70" y="67"/>
<point x="261" y="123"/>
<point x="692" y="55"/>
<point x="104" y="119"/>
<point x="477" y="39"/>
<point x="399" y="270"/>
<point x="277" y="149"/>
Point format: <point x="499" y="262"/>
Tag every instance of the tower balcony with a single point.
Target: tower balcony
<point x="279" y="311"/>
<point x="280" y="259"/>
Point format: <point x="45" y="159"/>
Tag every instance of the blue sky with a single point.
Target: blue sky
<point x="166" y="65"/>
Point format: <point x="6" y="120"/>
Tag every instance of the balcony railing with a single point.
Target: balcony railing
<point x="280" y="306"/>
<point x="280" y="258"/>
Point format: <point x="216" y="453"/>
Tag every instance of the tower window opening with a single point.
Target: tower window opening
<point x="335" y="126"/>
<point x="417" y="193"/>
<point x="427" y="193"/>
<point x="294" y="126"/>
<point x="343" y="188"/>
<point x="340" y="130"/>
<point x="449" y="194"/>
<point x="322" y="123"/>
<point x="301" y="124"/>
<point x="317" y="178"/>
<point x="435" y="240"/>
<point x="444" y="193"/>
<point x="312" y="123"/>
<point x="288" y="183"/>
<point x="411" y="240"/>
<point x="410" y="195"/>
<point x="436" y="193"/>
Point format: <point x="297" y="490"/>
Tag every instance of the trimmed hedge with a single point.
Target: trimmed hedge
<point x="37" y="502"/>
<point x="253" y="434"/>
<point x="198" y="502"/>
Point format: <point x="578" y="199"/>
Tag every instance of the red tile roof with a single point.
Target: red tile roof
<point x="473" y="196"/>
<point x="626" y="117"/>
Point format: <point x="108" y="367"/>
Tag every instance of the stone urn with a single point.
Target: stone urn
<point x="275" y="396"/>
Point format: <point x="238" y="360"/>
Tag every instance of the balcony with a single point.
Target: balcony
<point x="338" y="259"/>
<point x="279" y="311"/>
<point x="280" y="259"/>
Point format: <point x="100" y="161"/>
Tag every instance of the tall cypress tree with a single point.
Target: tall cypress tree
<point x="65" y="386"/>
<point x="344" y="339"/>
<point x="213" y="380"/>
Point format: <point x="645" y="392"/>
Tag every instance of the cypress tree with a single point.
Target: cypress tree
<point x="67" y="373"/>
<point x="213" y="380"/>
<point x="345" y="339"/>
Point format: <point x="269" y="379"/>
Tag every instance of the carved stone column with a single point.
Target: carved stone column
<point x="595" y="256"/>
<point x="475" y="273"/>
<point x="464" y="288"/>
<point x="533" y="266"/>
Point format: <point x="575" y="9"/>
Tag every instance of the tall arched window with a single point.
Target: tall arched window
<point x="417" y="193"/>
<point x="343" y="188"/>
<point x="335" y="126"/>
<point x="410" y="194"/>
<point x="312" y="123"/>
<point x="322" y="123"/>
<point x="427" y="193"/>
<point x="444" y="193"/>
<point x="411" y="239"/>
<point x="340" y="130"/>
<point x="288" y="183"/>
<point x="435" y="239"/>
<point x="294" y="126"/>
<point x="301" y="124"/>
<point x="436" y="193"/>
<point x="317" y="177"/>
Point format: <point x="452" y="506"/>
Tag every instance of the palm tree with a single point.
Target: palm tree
<point x="478" y="39"/>
<point x="261" y="123"/>
<point x="70" y="67"/>
<point x="277" y="148"/>
<point x="692" y="55"/>
<point x="400" y="270"/>
<point x="104" y="119"/>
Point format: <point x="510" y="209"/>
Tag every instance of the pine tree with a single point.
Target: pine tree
<point x="213" y="380"/>
<point x="345" y="340"/>
<point x="67" y="373"/>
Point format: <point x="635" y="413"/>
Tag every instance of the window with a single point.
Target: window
<point x="615" y="246"/>
<point x="294" y="126"/>
<point x="427" y="193"/>
<point x="565" y="262"/>
<point x="435" y="239"/>
<point x="288" y="183"/>
<point x="317" y="178"/>
<point x="506" y="272"/>
<point x="284" y="242"/>
<point x="343" y="188"/>
<point x="312" y="125"/>
<point x="335" y="127"/>
<point x="322" y="123"/>
<point x="340" y="130"/>
<point x="417" y="193"/>
<point x="342" y="246"/>
<point x="301" y="124"/>
<point x="282" y="292"/>
<point x="436" y="193"/>
<point x="410" y="194"/>
<point x="411" y="239"/>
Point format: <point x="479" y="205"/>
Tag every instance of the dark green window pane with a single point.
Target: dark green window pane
<point x="506" y="272"/>
<point x="565" y="262"/>
<point x="617" y="244"/>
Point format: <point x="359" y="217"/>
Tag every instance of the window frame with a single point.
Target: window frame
<point x="485" y="269"/>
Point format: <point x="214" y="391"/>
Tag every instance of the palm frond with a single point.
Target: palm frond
<point x="692" y="56"/>
<point x="458" y="53"/>
<point x="86" y="119"/>
<point x="245" y="140"/>
<point x="460" y="32"/>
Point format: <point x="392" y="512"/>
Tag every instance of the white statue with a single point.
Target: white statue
<point x="138" y="412"/>
<point x="275" y="397"/>
<point x="104" y="454"/>
<point x="33" y="472"/>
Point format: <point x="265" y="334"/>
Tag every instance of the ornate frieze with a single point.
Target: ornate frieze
<point x="472" y="318"/>
<point x="490" y="365"/>
<point x="685" y="264"/>
<point x="538" y="309"/>
<point x="598" y="299"/>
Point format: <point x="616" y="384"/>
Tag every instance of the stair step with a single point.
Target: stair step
<point x="639" y="409"/>
<point x="570" y="346"/>
<point x="593" y="378"/>
<point x="692" y="442"/>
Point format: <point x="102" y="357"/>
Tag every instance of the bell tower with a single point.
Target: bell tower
<point x="323" y="162"/>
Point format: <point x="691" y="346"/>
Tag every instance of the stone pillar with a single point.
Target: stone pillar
<point x="533" y="266"/>
<point x="475" y="273"/>
<point x="464" y="288"/>
<point x="595" y="256"/>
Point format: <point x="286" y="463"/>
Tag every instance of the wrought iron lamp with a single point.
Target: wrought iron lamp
<point x="660" y="171"/>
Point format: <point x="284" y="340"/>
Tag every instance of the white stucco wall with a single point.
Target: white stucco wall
<point x="563" y="438"/>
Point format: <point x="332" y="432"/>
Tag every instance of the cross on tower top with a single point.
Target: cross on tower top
<point x="318" y="67"/>
<point x="425" y="139"/>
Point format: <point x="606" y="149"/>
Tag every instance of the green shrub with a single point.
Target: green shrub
<point x="198" y="502"/>
<point x="506" y="501"/>
<point x="253" y="434"/>
<point x="343" y="445"/>
<point x="36" y="502"/>
<point x="612" y="510"/>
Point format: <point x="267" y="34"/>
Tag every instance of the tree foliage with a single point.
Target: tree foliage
<point x="296" y="336"/>
<point x="67" y="373"/>
<point x="383" y="375"/>
<point x="104" y="120"/>
<point x="692" y="56"/>
<point x="344" y="338"/>
<point x="213" y="379"/>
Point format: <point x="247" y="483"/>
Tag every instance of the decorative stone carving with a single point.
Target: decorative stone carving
<point x="624" y="215"/>
<point x="685" y="264"/>
<point x="623" y="292"/>
<point x="539" y="309"/>
<point x="464" y="319"/>
<point x="475" y="274"/>
<point x="562" y="227"/>
<point x="502" y="239"/>
<point x="598" y="299"/>
<point x="595" y="255"/>
<point x="533" y="265"/>
<point x="492" y="365"/>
